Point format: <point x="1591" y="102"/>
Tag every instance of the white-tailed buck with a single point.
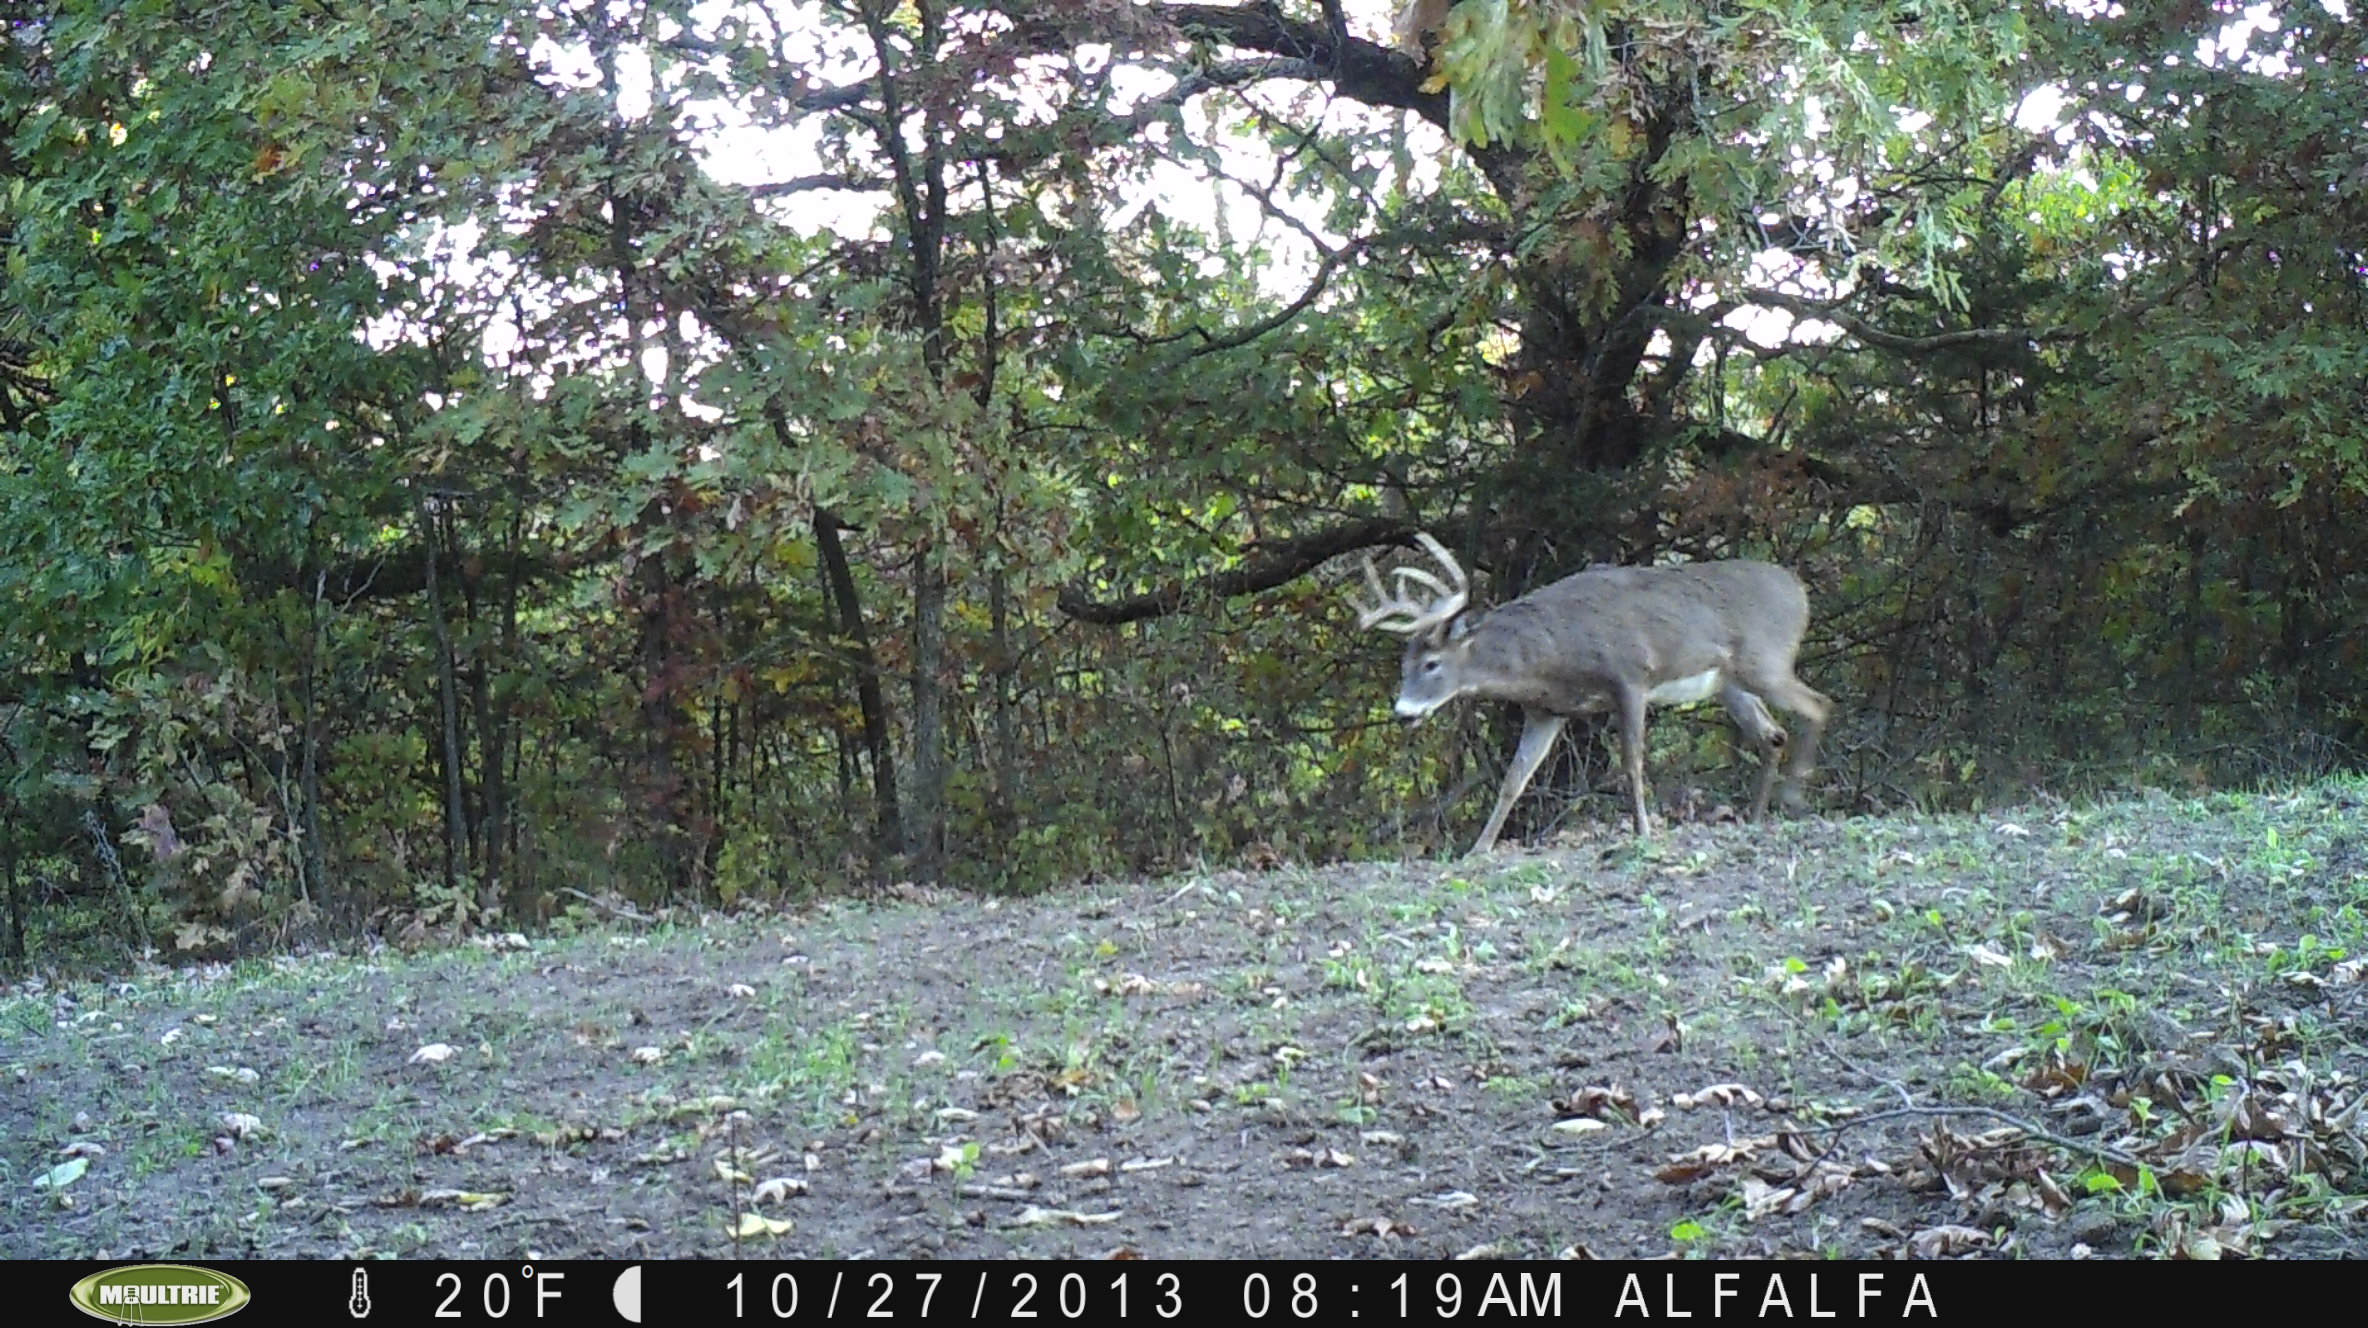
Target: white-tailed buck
<point x="1609" y="638"/>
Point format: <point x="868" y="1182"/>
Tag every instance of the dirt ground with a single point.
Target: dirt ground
<point x="2132" y="1029"/>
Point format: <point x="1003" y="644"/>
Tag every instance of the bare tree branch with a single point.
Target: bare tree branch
<point x="1894" y="341"/>
<point x="1276" y="563"/>
<point x="1207" y="78"/>
<point x="1361" y="70"/>
<point x="1313" y="51"/>
<point x="1212" y="342"/>
<point x="402" y="571"/>
<point x="809" y="183"/>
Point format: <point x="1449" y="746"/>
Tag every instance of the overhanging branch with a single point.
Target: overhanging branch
<point x="1895" y="341"/>
<point x="400" y="572"/>
<point x="1275" y="564"/>
<point x="809" y="183"/>
<point x="1358" y="69"/>
<point x="1311" y="51"/>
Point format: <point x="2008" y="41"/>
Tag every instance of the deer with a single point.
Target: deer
<point x="1609" y="638"/>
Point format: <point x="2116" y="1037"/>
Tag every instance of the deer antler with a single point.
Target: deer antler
<point x="1401" y="612"/>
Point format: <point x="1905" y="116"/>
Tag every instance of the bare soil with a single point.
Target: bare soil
<point x="2132" y="1029"/>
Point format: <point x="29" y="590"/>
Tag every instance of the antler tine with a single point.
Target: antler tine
<point x="1455" y="570"/>
<point x="1423" y="578"/>
<point x="1386" y="609"/>
<point x="1400" y="612"/>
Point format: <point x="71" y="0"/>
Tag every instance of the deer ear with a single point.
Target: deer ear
<point x="1459" y="627"/>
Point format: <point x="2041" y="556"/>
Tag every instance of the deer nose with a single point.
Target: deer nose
<point x="1411" y="711"/>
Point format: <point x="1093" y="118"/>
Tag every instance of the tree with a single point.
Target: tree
<point x="459" y="455"/>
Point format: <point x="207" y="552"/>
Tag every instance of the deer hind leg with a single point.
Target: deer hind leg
<point x="1538" y="732"/>
<point x="1751" y="715"/>
<point x="1813" y="707"/>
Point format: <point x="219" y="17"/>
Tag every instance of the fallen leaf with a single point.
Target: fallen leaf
<point x="778" y="1188"/>
<point x="753" y="1225"/>
<point x="471" y="1201"/>
<point x="1597" y="1100"/>
<point x="1717" y="1095"/>
<point x="1032" y="1216"/>
<point x="1944" y="1242"/>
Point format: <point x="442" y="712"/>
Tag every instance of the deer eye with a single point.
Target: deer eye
<point x="1430" y="666"/>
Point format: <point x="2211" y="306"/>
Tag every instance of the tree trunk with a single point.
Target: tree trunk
<point x="456" y="829"/>
<point x="929" y="739"/>
<point x="664" y="727"/>
<point x="8" y="867"/>
<point x="1007" y="742"/>
<point x="312" y="855"/>
<point x="890" y="829"/>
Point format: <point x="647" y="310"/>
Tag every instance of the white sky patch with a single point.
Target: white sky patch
<point x="1777" y="270"/>
<point x="1814" y="123"/>
<point x="2230" y="44"/>
<point x="2041" y="109"/>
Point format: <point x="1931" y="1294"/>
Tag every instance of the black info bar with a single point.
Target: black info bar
<point x="1145" y="1291"/>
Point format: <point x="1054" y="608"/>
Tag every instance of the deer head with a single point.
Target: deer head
<point x="1433" y="626"/>
<point x="1608" y="639"/>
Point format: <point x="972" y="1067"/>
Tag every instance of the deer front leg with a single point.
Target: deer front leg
<point x="1631" y="701"/>
<point x="1538" y="732"/>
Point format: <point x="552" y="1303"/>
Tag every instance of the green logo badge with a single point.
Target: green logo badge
<point x="160" y="1293"/>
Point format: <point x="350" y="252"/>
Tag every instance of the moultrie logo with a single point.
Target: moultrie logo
<point x="146" y="1293"/>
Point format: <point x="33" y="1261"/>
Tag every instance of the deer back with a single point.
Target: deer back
<point x="1565" y="646"/>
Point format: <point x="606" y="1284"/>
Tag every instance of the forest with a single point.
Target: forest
<point x="467" y="459"/>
